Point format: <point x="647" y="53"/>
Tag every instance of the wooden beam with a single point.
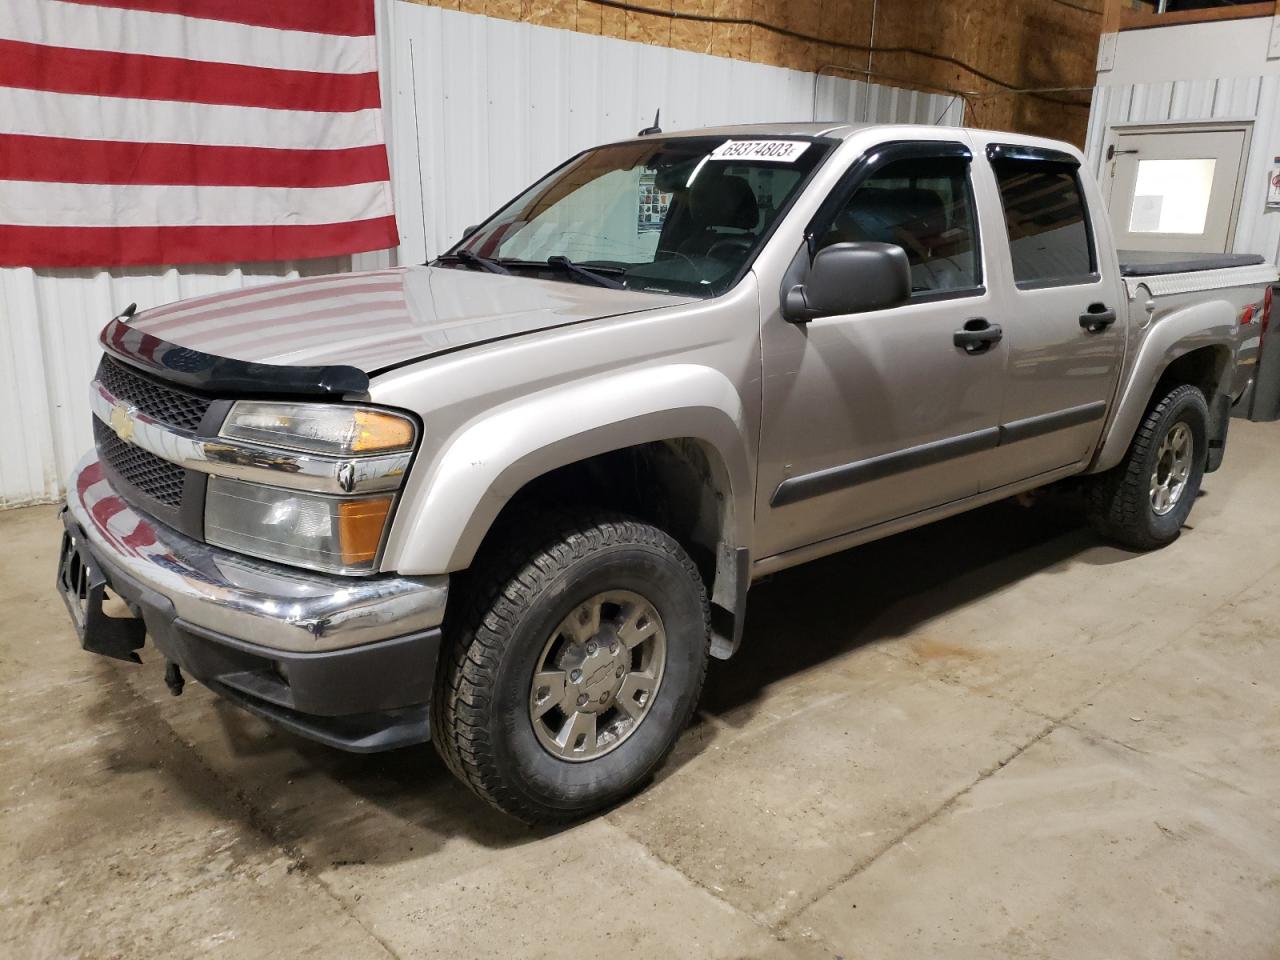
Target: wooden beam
<point x="1112" y="14"/>
<point x="1141" y="20"/>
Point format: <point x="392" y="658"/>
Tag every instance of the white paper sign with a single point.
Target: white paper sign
<point x="772" y="151"/>
<point x="1273" y="188"/>
<point x="1146" y="214"/>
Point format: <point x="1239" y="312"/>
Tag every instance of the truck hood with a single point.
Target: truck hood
<point x="383" y="318"/>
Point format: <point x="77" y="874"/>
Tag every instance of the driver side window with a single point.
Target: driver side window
<point x="926" y="207"/>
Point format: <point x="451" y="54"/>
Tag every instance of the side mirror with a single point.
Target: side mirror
<point x="850" y="278"/>
<point x="468" y="231"/>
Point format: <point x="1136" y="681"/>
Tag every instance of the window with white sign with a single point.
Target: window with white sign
<point x="1172" y="196"/>
<point x="1175" y="187"/>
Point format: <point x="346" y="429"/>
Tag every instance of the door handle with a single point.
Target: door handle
<point x="978" y="336"/>
<point x="1098" y="318"/>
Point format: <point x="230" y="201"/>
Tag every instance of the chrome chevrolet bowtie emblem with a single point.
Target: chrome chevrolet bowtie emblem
<point x="122" y="421"/>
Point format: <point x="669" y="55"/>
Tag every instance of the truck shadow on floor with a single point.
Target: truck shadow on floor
<point x="343" y="810"/>
<point x="882" y="591"/>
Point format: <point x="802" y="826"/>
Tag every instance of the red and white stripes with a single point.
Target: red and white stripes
<point x="181" y="131"/>
<point x="112" y="516"/>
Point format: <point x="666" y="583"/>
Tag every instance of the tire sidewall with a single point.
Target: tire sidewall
<point x="547" y="780"/>
<point x="1189" y="408"/>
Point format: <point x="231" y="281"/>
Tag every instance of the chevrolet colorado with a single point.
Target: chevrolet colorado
<point x="512" y="500"/>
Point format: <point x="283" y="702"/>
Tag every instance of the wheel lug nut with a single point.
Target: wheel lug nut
<point x="604" y="698"/>
<point x="582" y="699"/>
<point x="620" y="673"/>
<point x="591" y="647"/>
<point x="575" y="675"/>
<point x="613" y="647"/>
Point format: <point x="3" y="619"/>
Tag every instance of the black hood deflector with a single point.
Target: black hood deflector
<point x="224" y="376"/>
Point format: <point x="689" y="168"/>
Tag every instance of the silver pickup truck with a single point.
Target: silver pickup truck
<point x="512" y="500"/>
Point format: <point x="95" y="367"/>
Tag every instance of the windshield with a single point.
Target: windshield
<point x="683" y="216"/>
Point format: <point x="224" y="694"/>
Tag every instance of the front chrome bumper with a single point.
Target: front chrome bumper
<point x="236" y="596"/>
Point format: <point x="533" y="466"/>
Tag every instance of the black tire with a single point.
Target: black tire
<point x="1119" y="501"/>
<point x="519" y="595"/>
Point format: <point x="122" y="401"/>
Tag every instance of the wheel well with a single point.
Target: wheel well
<point x="678" y="485"/>
<point x="1204" y="367"/>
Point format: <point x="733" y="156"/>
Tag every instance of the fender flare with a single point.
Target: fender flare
<point x="1171" y="336"/>
<point x="492" y="457"/>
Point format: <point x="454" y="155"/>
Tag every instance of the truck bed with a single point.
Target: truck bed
<point x="1150" y="263"/>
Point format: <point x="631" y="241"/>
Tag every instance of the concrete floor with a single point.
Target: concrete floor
<point x="991" y="738"/>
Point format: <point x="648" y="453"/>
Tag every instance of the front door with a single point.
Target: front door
<point x="1176" y="189"/>
<point x="873" y="416"/>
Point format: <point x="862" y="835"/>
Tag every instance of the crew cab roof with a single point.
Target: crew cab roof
<point x="837" y="130"/>
<point x="832" y="129"/>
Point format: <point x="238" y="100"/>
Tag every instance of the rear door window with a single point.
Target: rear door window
<point x="1050" y="240"/>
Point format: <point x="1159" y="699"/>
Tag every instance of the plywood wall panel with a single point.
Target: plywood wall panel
<point x="692" y="34"/>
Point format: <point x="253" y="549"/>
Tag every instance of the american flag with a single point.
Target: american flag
<point x="146" y="132"/>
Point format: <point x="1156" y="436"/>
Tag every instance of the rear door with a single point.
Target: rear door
<point x="1064" y="309"/>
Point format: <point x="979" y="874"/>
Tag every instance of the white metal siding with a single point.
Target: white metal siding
<point x="1255" y="99"/>
<point x="476" y="109"/>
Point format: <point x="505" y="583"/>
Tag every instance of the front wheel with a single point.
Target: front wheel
<point x="575" y="668"/>
<point x="1143" y="502"/>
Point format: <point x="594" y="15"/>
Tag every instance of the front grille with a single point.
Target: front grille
<point x="156" y="478"/>
<point x="157" y="400"/>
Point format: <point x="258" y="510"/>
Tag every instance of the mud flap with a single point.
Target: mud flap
<point x="1219" y="424"/>
<point x="84" y="587"/>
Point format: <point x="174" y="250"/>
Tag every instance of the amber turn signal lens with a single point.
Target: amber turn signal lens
<point x="360" y="526"/>
<point x="380" y="431"/>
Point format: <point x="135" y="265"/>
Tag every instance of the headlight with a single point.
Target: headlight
<point x="338" y="430"/>
<point x="277" y="520"/>
<point x="333" y="534"/>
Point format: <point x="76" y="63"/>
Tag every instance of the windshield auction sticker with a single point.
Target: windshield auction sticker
<point x="771" y="151"/>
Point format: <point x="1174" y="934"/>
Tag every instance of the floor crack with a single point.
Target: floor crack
<point x="927" y="819"/>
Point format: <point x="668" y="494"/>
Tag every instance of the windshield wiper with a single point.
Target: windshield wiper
<point x="474" y="259"/>
<point x="599" y="279"/>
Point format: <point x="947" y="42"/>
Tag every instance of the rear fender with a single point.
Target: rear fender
<point x="1212" y="324"/>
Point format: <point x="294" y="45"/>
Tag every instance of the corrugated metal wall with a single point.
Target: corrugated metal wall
<point x="1255" y="99"/>
<point x="476" y="109"/>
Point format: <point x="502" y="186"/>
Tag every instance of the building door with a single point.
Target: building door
<point x="1176" y="188"/>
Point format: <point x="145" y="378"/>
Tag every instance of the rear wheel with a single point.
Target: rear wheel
<point x="1143" y="502"/>
<point x="575" y="667"/>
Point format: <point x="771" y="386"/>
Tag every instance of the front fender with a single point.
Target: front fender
<point x="1169" y="336"/>
<point x="447" y="512"/>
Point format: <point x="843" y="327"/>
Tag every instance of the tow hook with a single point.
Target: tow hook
<point x="173" y="678"/>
